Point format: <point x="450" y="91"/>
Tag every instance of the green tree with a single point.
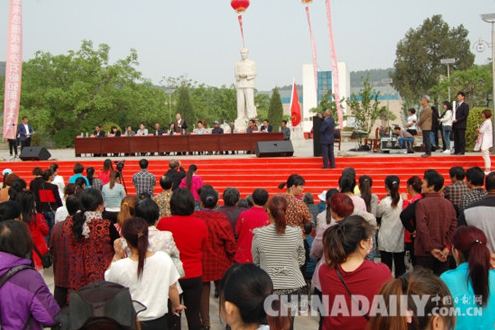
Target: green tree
<point x="476" y="82"/>
<point x="417" y="64"/>
<point x="262" y="102"/>
<point x="275" y="110"/>
<point x="366" y="107"/>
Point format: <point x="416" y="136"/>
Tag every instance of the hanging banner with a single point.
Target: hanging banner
<point x="242" y="31"/>
<point x="13" y="71"/>
<point x="313" y="49"/>
<point x="335" y="67"/>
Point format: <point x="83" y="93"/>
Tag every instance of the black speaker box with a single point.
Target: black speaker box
<point x="34" y="153"/>
<point x="316" y="136"/>
<point x="274" y="149"/>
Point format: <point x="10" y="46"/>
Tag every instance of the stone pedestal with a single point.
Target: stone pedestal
<point x="240" y="125"/>
<point x="297" y="136"/>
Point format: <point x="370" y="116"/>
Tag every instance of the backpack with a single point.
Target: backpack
<point x="100" y="304"/>
<point x="11" y="272"/>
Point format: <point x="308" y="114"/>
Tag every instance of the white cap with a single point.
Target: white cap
<point x="6" y="171"/>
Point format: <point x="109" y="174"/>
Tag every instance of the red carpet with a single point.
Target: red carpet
<point x="249" y="174"/>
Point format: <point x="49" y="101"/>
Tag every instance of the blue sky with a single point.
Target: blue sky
<point x="201" y="39"/>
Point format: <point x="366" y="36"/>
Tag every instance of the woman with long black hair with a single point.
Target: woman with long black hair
<point x="192" y="182"/>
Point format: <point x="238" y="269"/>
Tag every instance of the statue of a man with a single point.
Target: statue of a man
<point x="245" y="72"/>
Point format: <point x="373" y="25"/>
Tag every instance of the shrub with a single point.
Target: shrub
<point x="107" y="127"/>
<point x="65" y="137"/>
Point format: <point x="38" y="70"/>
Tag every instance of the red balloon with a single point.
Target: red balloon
<point x="240" y="6"/>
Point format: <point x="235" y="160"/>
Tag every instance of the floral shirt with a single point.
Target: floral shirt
<point x="163" y="201"/>
<point x="297" y="213"/>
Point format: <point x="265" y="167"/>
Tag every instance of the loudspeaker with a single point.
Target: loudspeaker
<point x="274" y="149"/>
<point x="34" y="153"/>
<point x="316" y="136"/>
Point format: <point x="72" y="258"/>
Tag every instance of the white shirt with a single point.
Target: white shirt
<point x="59" y="182"/>
<point x="152" y="288"/>
<point x="391" y="232"/>
<point x="412" y="119"/>
<point x="447" y="118"/>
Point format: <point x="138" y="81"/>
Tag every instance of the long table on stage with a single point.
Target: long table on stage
<point x="172" y="143"/>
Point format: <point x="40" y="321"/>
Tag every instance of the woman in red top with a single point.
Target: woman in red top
<point x="408" y="214"/>
<point x="36" y="223"/>
<point x="220" y="247"/>
<point x="190" y="235"/>
<point x="104" y="174"/>
<point x="345" y="248"/>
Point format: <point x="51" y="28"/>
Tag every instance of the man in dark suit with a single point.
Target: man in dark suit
<point x="266" y="127"/>
<point x="98" y="132"/>
<point x="176" y="173"/>
<point x="24" y="132"/>
<point x="459" y="124"/>
<point x="158" y="131"/>
<point x="327" y="139"/>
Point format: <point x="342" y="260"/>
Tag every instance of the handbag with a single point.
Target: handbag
<point x="11" y="272"/>
<point x="352" y="297"/>
<point x="46" y="260"/>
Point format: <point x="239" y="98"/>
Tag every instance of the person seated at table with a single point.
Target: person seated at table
<point x="171" y="129"/>
<point x="252" y="126"/>
<point x="142" y="130"/>
<point x="266" y="127"/>
<point x="98" y="132"/>
<point x="158" y="131"/>
<point x="404" y="138"/>
<point x="216" y="128"/>
<point x="200" y="129"/>
<point x="284" y="129"/>
<point x="129" y="131"/>
<point x="114" y="131"/>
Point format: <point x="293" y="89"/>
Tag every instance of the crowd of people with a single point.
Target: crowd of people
<point x="270" y="259"/>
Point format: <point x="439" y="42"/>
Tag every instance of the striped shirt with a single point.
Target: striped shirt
<point x="280" y="255"/>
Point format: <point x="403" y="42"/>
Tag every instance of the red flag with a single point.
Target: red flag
<point x="295" y="107"/>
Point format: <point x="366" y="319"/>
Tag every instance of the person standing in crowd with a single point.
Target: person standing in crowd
<point x="220" y="248"/>
<point x="480" y="213"/>
<point x="454" y="192"/>
<point x="231" y="209"/>
<point x="95" y="183"/>
<point x="36" y="223"/>
<point x="126" y="211"/>
<point x="150" y="276"/>
<point x="190" y="235"/>
<point x="370" y="199"/>
<point x="446" y="120"/>
<point x="90" y="241"/>
<point x="474" y="177"/>
<point x="327" y="140"/>
<point x="7" y="182"/>
<point x="485" y="139"/>
<point x="78" y="170"/>
<point x="142" y="131"/>
<point x="284" y="129"/>
<point x="436" y="221"/>
<point x="308" y="199"/>
<point x="13" y="147"/>
<point x="473" y="278"/>
<point x="424" y="315"/>
<point x="435" y="126"/>
<point x="175" y="173"/>
<point x="266" y="127"/>
<point x="460" y="124"/>
<point x="408" y="214"/>
<point x="104" y="173"/>
<point x="180" y="124"/>
<point x="24" y="132"/>
<point x="424" y="123"/>
<point x="412" y="119"/>
<point x="278" y="249"/>
<point x="391" y="232"/>
<point x="25" y="300"/>
<point x="163" y="198"/>
<point x="58" y="249"/>
<point x="346" y="271"/>
<point x="113" y="193"/>
<point x="58" y="180"/>
<point x="347" y="185"/>
<point x="297" y="213"/>
<point x="192" y="182"/>
<point x="249" y="220"/>
<point x="144" y="181"/>
<point x="244" y="289"/>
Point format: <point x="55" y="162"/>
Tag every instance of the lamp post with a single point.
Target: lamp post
<point x="490" y="18"/>
<point x="388" y="82"/>
<point x="448" y="61"/>
<point x="169" y="92"/>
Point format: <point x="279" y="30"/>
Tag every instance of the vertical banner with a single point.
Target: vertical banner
<point x="335" y="67"/>
<point x="295" y="106"/>
<point x="13" y="71"/>
<point x="313" y="49"/>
